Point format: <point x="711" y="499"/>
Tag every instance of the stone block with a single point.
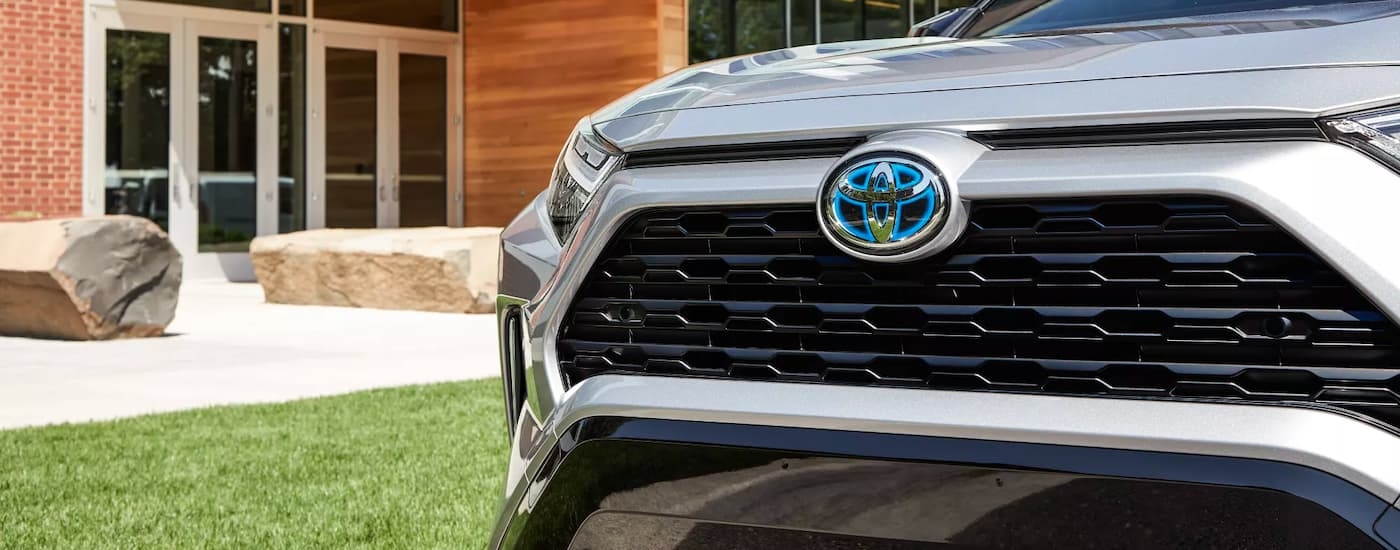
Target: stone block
<point x="439" y="269"/>
<point x="91" y="278"/>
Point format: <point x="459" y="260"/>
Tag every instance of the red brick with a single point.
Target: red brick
<point x="41" y="117"/>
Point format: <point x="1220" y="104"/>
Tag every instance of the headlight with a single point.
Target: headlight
<point x="1376" y="133"/>
<point x="583" y="166"/>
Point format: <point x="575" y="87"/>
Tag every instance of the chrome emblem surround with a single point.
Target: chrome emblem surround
<point x="888" y="206"/>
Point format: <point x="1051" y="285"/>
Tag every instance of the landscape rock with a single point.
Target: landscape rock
<point x="94" y="278"/>
<point x="439" y="269"/>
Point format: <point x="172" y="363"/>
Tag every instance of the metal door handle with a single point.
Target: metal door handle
<point x="175" y="183"/>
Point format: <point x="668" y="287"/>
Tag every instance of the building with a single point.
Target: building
<point x="721" y="28"/>
<point x="226" y="119"/>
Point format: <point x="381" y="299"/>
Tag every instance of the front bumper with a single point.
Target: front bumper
<point x="941" y="467"/>
<point x="1331" y="198"/>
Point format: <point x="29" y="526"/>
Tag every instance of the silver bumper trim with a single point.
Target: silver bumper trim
<point x="1348" y="448"/>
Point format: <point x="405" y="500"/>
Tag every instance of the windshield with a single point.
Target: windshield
<point x="1003" y="17"/>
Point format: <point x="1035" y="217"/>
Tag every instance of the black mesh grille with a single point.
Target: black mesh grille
<point x="1178" y="297"/>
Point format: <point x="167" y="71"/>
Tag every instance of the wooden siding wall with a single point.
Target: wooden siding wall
<point x="675" y="35"/>
<point x="534" y="67"/>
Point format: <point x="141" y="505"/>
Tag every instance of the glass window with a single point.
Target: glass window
<point x="1022" y="16"/>
<point x="228" y="144"/>
<point x="291" y="130"/>
<point x="422" y="185"/>
<point x="264" y="6"/>
<point x="292" y="7"/>
<point x="137" y="178"/>
<point x="886" y="18"/>
<point x="924" y="9"/>
<point x="841" y="21"/>
<point x="804" y="23"/>
<point x="422" y="14"/>
<point x="711" y="29"/>
<point x="352" y="116"/>
<point x="759" y="26"/>
<point x="721" y="28"/>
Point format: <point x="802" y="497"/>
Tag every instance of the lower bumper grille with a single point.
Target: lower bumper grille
<point x="1168" y="297"/>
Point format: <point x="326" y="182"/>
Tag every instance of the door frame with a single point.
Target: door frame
<point x="235" y="265"/>
<point x="104" y="19"/>
<point x="383" y="152"/>
<point x="455" y="118"/>
<point x="387" y="173"/>
<point x="184" y="26"/>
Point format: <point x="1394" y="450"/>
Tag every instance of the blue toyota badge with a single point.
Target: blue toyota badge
<point x="884" y="205"/>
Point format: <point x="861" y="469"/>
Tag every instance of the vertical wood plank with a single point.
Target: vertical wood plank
<point x="533" y="68"/>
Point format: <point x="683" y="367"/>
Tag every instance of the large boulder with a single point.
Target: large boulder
<point x="87" y="278"/>
<point x="430" y="269"/>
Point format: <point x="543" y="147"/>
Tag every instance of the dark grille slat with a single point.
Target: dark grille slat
<point x="1186" y="380"/>
<point x="1332" y="328"/>
<point x="711" y="357"/>
<point x="1175" y="298"/>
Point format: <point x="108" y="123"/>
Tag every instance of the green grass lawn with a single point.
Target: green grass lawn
<point x="417" y="467"/>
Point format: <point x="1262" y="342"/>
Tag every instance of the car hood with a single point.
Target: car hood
<point x="891" y="68"/>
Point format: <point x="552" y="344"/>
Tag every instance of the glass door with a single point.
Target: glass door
<point x="182" y="124"/>
<point x="387" y="133"/>
<point x="221" y="125"/>
<point x="130" y="112"/>
<point x="232" y="111"/>
<point x="424" y="134"/>
<point x="349" y="158"/>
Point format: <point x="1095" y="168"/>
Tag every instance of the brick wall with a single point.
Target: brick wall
<point x="41" y="118"/>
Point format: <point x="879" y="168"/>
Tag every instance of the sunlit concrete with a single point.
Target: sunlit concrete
<point x="226" y="346"/>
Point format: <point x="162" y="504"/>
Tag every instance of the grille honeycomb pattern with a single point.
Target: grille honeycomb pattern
<point x="1174" y="297"/>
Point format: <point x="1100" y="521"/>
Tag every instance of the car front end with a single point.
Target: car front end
<point x="1116" y="289"/>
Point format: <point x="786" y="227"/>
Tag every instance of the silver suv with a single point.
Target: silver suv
<point x="1077" y="274"/>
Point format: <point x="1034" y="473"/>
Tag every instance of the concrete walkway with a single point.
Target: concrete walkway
<point x="227" y="346"/>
